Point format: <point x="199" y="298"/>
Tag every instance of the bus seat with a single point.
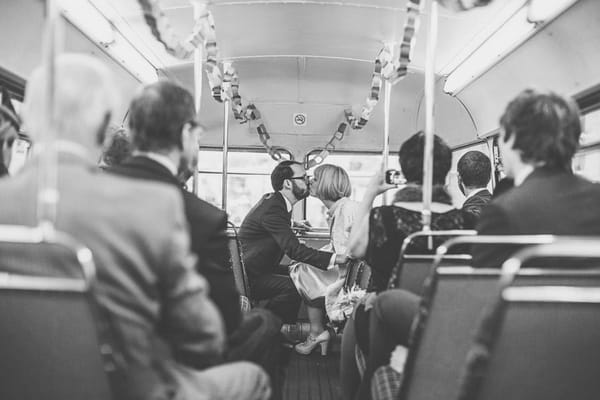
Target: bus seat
<point x="50" y="345"/>
<point x="452" y="307"/>
<point x="414" y="266"/>
<point x="237" y="266"/>
<point x="439" y="344"/>
<point x="546" y="347"/>
<point x="358" y="274"/>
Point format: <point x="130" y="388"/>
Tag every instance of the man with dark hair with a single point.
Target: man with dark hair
<point x="164" y="132"/>
<point x="538" y="137"/>
<point x="474" y="172"/>
<point x="165" y="136"/>
<point x="266" y="235"/>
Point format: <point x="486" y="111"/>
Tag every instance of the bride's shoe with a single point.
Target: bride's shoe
<point x="311" y="342"/>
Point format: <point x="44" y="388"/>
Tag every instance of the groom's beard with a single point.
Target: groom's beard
<point x="300" y="193"/>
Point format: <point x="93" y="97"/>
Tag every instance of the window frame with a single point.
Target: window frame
<point x="238" y="150"/>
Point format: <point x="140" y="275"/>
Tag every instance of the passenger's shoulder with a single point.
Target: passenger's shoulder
<point x="131" y="192"/>
<point x="203" y="209"/>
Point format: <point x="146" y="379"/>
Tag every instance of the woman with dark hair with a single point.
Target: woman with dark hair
<point x="377" y="236"/>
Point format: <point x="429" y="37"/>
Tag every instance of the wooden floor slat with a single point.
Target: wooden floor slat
<point x="312" y="377"/>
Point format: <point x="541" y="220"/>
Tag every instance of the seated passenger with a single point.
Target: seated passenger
<point x="9" y="131"/>
<point x="266" y="235"/>
<point x="146" y="281"/>
<point x="474" y="173"/>
<point x="538" y="137"/>
<point x="331" y="185"/>
<point x="377" y="236"/>
<point x="165" y="135"/>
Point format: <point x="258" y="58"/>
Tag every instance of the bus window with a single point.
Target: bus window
<point x="591" y="129"/>
<point x="360" y="168"/>
<point x="249" y="177"/>
<point x="587" y="161"/>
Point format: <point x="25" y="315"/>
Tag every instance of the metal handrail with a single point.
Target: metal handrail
<point x="443" y="249"/>
<point x="409" y="239"/>
<point x="552" y="294"/>
<point x="562" y="247"/>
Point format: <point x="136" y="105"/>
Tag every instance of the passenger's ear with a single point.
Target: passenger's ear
<point x="101" y="133"/>
<point x="185" y="135"/>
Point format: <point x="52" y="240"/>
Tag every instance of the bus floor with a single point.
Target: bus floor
<point x="314" y="377"/>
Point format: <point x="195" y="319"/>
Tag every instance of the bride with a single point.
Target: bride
<point x="331" y="185"/>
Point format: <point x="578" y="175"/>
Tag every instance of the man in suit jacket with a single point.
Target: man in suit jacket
<point x="539" y="136"/>
<point x="266" y="235"/>
<point x="474" y="172"/>
<point x="158" y="304"/>
<point x="165" y="136"/>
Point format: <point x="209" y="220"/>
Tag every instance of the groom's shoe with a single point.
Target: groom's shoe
<point x="290" y="334"/>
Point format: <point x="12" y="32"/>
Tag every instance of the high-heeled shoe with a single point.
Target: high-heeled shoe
<point x="311" y="342"/>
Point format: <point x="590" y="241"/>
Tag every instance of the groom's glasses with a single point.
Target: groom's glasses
<point x="305" y="178"/>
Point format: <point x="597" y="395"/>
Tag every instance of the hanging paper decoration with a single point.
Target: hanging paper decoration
<point x="413" y="8"/>
<point x="164" y="32"/>
<point x="224" y="83"/>
<point x="329" y="147"/>
<point x="463" y="5"/>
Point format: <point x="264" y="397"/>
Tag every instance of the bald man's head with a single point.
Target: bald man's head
<point x="85" y="98"/>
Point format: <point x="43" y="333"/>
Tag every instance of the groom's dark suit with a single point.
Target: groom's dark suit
<point x="266" y="235"/>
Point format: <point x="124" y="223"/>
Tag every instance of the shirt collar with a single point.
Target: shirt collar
<point x="523" y="174"/>
<point x="474" y="192"/>
<point x="288" y="205"/>
<point x="159" y="158"/>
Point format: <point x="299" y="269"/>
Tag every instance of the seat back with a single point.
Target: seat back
<point x="440" y="342"/>
<point x="358" y="274"/>
<point x="452" y="307"/>
<point x="49" y="340"/>
<point x="237" y="263"/>
<point x="415" y="260"/>
<point x="416" y="268"/>
<point x="546" y="347"/>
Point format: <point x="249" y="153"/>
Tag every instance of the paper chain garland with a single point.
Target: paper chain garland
<point x="225" y="85"/>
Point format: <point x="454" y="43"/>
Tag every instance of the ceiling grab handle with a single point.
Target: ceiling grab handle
<point x="199" y="13"/>
<point x="47" y="196"/>
<point x="432" y="26"/>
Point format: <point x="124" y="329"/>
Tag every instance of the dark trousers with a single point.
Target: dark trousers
<point x="259" y="339"/>
<point x="281" y="295"/>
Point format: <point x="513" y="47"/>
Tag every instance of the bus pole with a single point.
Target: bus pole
<point x="432" y="13"/>
<point x="387" y="93"/>
<point x="225" y="152"/>
<point x="198" y="57"/>
<point x="48" y="192"/>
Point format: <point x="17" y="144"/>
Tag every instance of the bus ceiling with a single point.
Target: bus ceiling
<point x="302" y="63"/>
